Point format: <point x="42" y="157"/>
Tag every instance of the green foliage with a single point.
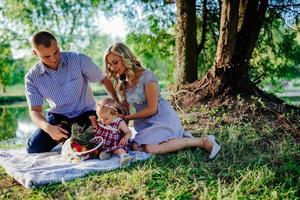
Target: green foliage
<point x="8" y="122"/>
<point x="97" y="46"/>
<point x="152" y="34"/>
<point x="10" y="72"/>
<point x="69" y="20"/>
<point x="276" y="56"/>
<point x="156" y="52"/>
<point x="207" y="55"/>
<point x="83" y="137"/>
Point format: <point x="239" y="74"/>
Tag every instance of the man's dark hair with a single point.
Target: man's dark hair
<point x="43" y="38"/>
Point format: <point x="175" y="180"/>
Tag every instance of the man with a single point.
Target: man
<point x="60" y="78"/>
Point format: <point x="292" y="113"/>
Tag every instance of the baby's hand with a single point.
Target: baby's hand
<point x="94" y="121"/>
<point x="95" y="125"/>
<point x="124" y="140"/>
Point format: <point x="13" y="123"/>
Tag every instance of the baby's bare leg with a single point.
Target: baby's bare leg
<point x="119" y="151"/>
<point x="125" y="158"/>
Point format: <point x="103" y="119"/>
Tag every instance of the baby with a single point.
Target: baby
<point x="113" y="130"/>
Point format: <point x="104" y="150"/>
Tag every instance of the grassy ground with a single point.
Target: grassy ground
<point x="260" y="159"/>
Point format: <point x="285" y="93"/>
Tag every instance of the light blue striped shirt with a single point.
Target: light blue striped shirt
<point x="66" y="90"/>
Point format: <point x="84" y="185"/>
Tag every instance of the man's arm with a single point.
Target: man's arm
<point x="56" y="132"/>
<point x="110" y="89"/>
<point x="112" y="92"/>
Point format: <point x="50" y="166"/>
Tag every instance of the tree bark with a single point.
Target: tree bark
<point x="241" y="21"/>
<point x="186" y="42"/>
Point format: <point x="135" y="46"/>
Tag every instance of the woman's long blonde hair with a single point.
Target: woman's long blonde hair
<point x="129" y="60"/>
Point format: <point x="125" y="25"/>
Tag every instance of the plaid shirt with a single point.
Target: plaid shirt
<point x="111" y="136"/>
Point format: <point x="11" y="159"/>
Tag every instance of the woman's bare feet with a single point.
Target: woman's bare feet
<point x="208" y="144"/>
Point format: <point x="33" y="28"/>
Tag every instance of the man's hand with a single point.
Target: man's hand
<point x="57" y="133"/>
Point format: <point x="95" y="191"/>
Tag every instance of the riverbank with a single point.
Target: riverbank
<point x="15" y="94"/>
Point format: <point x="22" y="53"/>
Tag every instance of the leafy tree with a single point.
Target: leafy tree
<point x="151" y="27"/>
<point x="8" y="66"/>
<point x="69" y="20"/>
<point x="207" y="30"/>
<point x="96" y="46"/>
<point x="276" y="56"/>
<point x="156" y="55"/>
<point x="153" y="31"/>
<point x="8" y="122"/>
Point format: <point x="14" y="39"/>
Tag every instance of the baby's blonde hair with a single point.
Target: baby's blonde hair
<point x="129" y="60"/>
<point x="108" y="104"/>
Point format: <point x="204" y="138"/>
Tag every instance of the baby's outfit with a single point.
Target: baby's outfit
<point x="111" y="136"/>
<point x="111" y="141"/>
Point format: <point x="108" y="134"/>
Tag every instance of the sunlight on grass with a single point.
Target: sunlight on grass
<point x="255" y="163"/>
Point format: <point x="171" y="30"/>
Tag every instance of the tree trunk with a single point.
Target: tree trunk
<point x="186" y="42"/>
<point x="240" y="25"/>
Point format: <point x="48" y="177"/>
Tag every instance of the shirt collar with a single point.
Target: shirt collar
<point x="44" y="69"/>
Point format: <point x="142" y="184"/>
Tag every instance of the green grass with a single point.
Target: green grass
<point x="260" y="159"/>
<point x="252" y="165"/>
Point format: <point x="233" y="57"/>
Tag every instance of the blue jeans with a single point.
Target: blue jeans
<point x="40" y="141"/>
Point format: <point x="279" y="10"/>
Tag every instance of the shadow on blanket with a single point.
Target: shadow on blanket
<point x="33" y="170"/>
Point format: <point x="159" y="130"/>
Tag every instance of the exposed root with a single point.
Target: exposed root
<point x="174" y="95"/>
<point x="250" y="104"/>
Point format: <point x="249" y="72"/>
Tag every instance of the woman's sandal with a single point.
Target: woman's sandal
<point x="216" y="148"/>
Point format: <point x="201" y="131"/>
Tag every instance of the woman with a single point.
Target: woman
<point x="157" y="124"/>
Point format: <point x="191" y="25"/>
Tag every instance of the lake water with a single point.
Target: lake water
<point x="16" y="126"/>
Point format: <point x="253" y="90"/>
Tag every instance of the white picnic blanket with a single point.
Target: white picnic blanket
<point x="32" y="170"/>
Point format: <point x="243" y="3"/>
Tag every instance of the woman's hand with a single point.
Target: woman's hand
<point x="124" y="107"/>
<point x="124" y="117"/>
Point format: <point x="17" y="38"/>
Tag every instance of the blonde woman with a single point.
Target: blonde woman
<point x="158" y="126"/>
